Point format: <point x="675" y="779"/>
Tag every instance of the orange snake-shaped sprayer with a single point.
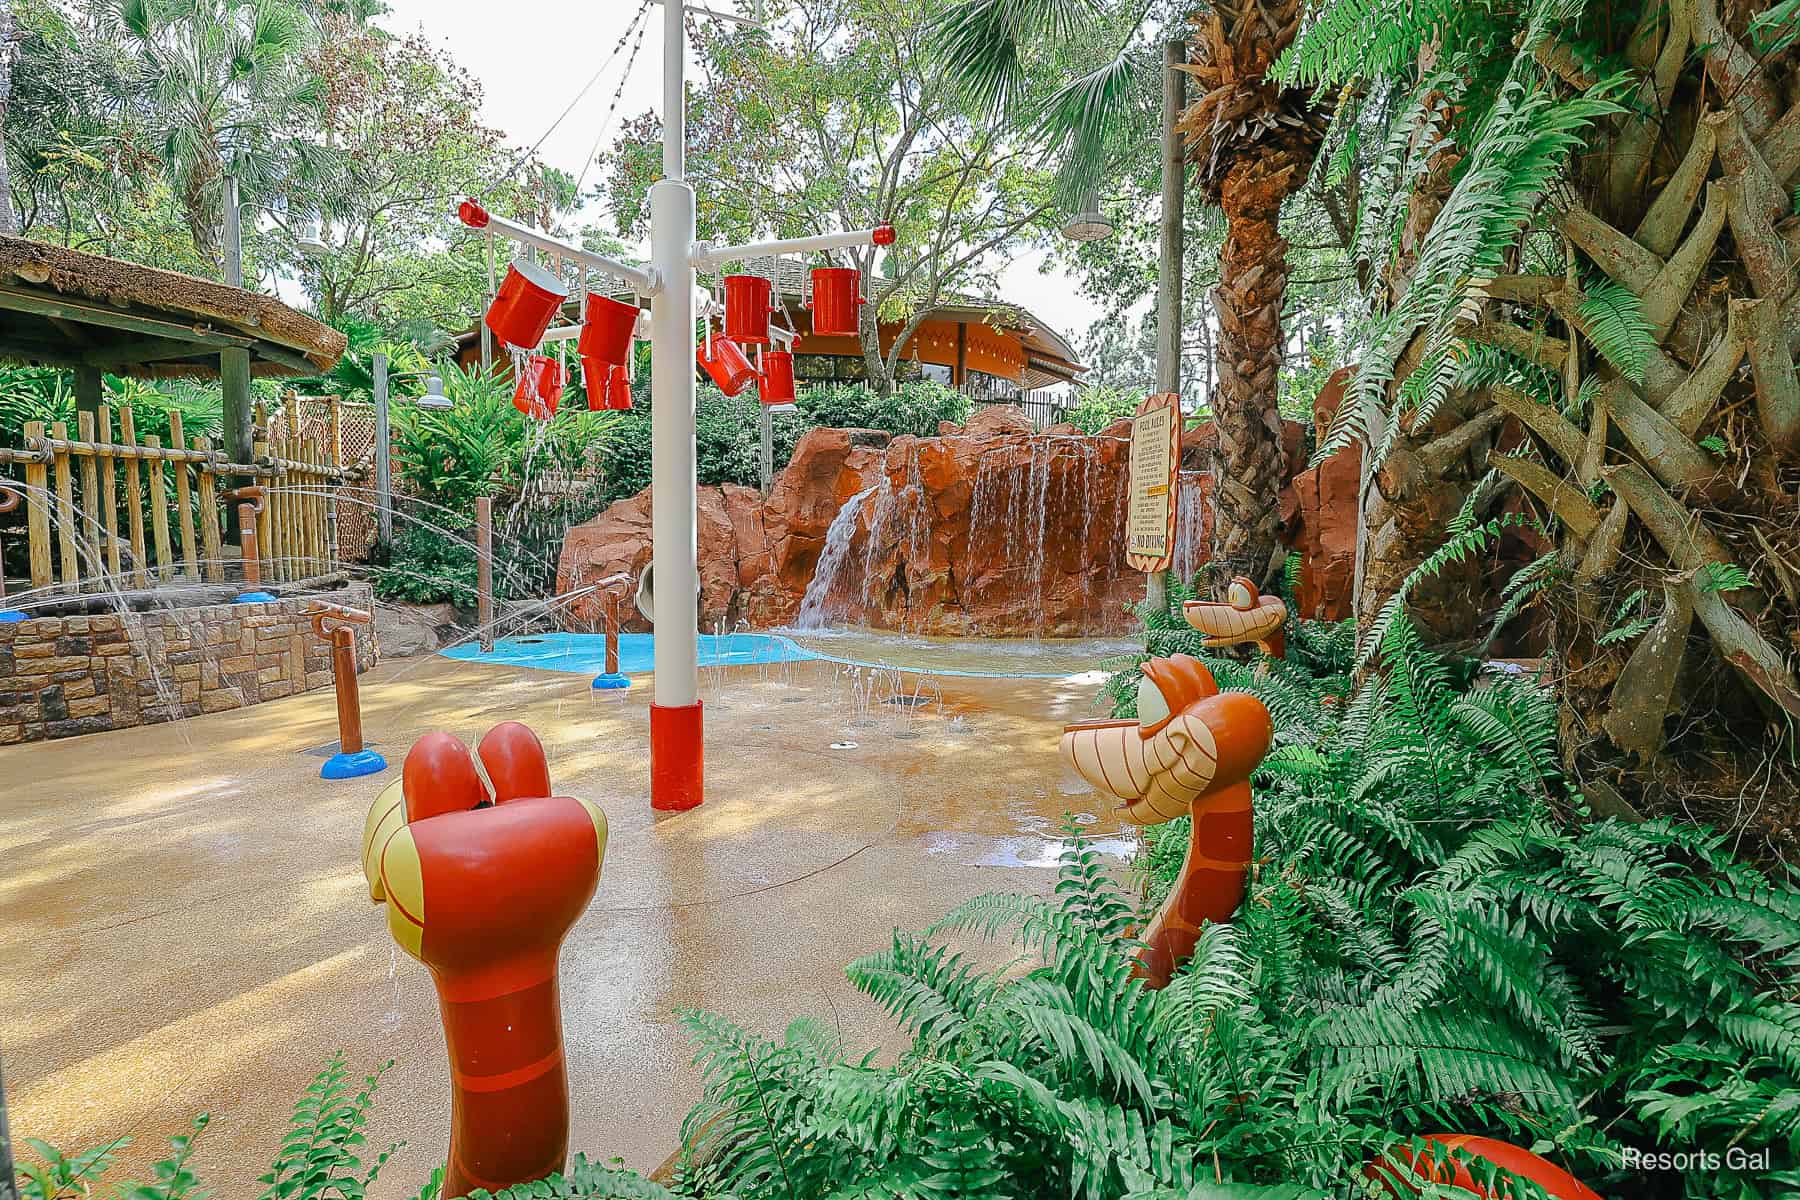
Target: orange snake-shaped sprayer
<point x="1190" y="752"/>
<point x="1245" y="617"/>
<point x="482" y="889"/>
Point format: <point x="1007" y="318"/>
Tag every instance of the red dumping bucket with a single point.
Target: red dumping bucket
<point x="776" y="383"/>
<point x="607" y="329"/>
<point x="525" y="305"/>
<point x="837" y="295"/>
<point x="747" y="309"/>
<point x="618" y="391"/>
<point x="727" y="366"/>
<point x="540" y="387"/>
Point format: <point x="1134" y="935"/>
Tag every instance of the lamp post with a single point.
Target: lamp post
<point x="676" y="733"/>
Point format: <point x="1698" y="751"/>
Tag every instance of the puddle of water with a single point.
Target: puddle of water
<point x="1043" y="853"/>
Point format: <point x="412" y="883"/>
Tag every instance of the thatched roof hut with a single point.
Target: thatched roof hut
<point x="65" y="308"/>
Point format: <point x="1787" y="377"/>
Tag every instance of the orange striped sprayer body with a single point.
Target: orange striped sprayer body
<point x="482" y="890"/>
<point x="1244" y="618"/>
<point x="1190" y="753"/>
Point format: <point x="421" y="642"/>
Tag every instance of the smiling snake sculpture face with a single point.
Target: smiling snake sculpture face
<point x="1190" y="752"/>
<point x="1244" y="617"/>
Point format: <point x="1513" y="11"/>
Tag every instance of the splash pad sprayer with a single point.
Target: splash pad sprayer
<point x="676" y="737"/>
<point x="336" y="625"/>
<point x="483" y="888"/>
<point x="249" y="502"/>
<point x="9" y="500"/>
<point x="613" y="679"/>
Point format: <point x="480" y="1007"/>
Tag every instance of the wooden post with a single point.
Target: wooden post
<point x="134" y="500"/>
<point x="88" y="392"/>
<point x="384" y="477"/>
<point x="159" y="514"/>
<point x="336" y="461"/>
<point x="211" y="543"/>
<point x="109" y="495"/>
<point x="9" y="500"/>
<point x="184" y="502"/>
<point x="349" y="701"/>
<point x="37" y="478"/>
<point x="484" y="571"/>
<point x="250" y="503"/>
<point x="90" y="497"/>
<point x="65" y="511"/>
<point x="338" y="627"/>
<point x="315" y="511"/>
<point x="234" y="379"/>
<point x="612" y="632"/>
<point x="263" y="539"/>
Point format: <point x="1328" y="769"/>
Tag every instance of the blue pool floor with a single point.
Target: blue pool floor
<point x="585" y="653"/>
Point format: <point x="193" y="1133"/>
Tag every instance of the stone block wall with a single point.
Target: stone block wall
<point x="62" y="676"/>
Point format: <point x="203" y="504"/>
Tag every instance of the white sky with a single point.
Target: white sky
<point x="532" y="66"/>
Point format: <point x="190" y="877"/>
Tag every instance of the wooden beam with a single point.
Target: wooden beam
<point x="18" y="300"/>
<point x="144" y="350"/>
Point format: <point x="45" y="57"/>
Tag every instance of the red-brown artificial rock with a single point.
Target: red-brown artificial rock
<point x="990" y="530"/>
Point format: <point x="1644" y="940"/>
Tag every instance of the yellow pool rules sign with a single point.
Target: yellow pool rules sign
<point x="1155" y="481"/>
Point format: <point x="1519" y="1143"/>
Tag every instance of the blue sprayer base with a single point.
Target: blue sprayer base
<point x="12" y="616"/>
<point x="611" y="682"/>
<point x="255" y="598"/>
<point x="352" y="766"/>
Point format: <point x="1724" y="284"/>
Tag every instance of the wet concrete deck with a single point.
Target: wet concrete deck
<point x="184" y="927"/>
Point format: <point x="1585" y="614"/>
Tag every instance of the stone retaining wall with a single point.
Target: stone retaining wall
<point x="62" y="676"/>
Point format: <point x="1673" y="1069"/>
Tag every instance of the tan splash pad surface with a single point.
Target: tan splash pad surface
<point x="184" y="926"/>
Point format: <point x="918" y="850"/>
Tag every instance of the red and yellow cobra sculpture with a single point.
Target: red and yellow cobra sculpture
<point x="1244" y="617"/>
<point x="483" y="892"/>
<point x="1440" y="1168"/>
<point x="1190" y="752"/>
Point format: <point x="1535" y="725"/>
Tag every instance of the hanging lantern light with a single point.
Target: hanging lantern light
<point x="747" y="309"/>
<point x="775" y="386"/>
<point x="528" y="300"/>
<point x="434" y="397"/>
<point x="607" y="330"/>
<point x="725" y="363"/>
<point x="837" y="297"/>
<point x="540" y="387"/>
<point x="1090" y="224"/>
<point x="308" y="238"/>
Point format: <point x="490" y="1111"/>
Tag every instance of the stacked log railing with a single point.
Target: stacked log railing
<point x="109" y="510"/>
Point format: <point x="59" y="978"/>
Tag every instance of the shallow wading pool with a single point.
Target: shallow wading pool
<point x="981" y="658"/>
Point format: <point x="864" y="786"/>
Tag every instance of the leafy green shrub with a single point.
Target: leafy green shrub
<point x="1436" y="938"/>
<point x="320" y="1155"/>
<point x="1098" y="407"/>
<point x="728" y="437"/>
<point x="544" y="477"/>
<point x="432" y="565"/>
<point x="916" y="407"/>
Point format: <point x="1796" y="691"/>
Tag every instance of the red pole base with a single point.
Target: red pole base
<point x="677" y="757"/>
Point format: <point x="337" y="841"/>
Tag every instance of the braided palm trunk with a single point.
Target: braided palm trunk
<point x="1250" y="463"/>
<point x="1672" y="482"/>
<point x="1254" y="143"/>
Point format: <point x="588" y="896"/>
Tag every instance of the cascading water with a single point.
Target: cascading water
<point x="813" y="612"/>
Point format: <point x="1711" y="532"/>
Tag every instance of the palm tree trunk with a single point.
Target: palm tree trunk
<point x="9" y="220"/>
<point x="1250" y="462"/>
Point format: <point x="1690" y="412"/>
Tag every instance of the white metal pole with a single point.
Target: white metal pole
<point x="675" y="96"/>
<point x="676" y="739"/>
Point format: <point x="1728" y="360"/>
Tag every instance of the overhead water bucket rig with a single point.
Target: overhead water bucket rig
<point x="669" y="281"/>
